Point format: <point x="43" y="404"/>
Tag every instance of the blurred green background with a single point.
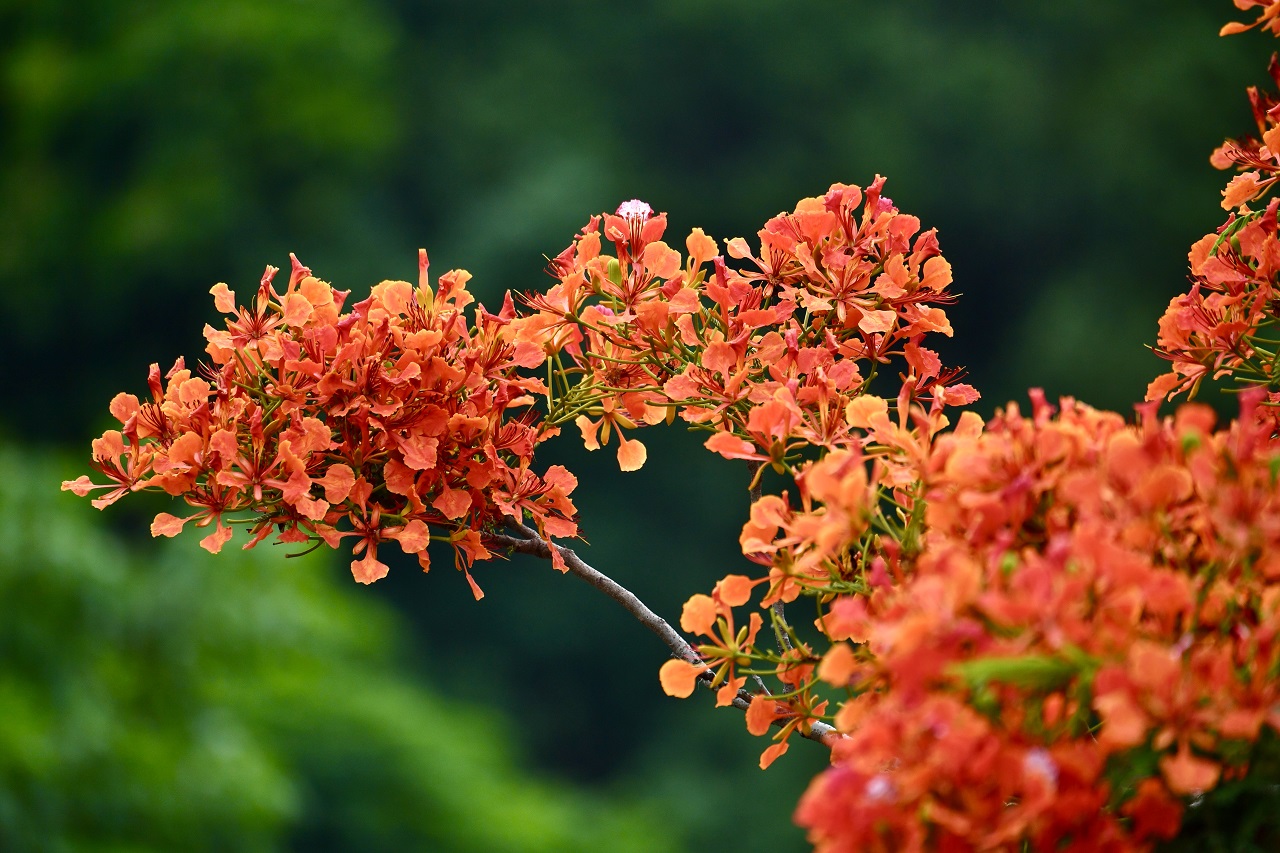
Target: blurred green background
<point x="155" y="698"/>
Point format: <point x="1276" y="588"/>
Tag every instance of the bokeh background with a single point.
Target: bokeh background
<point x="155" y="698"/>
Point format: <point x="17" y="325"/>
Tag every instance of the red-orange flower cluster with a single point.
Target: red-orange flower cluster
<point x="1086" y="594"/>
<point x="1257" y="159"/>
<point x="384" y="423"/>
<point x="712" y="617"/>
<point x="1222" y="326"/>
<point x="767" y="357"/>
<point x="1214" y="330"/>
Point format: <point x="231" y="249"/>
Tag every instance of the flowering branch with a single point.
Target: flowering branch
<point x="1055" y="630"/>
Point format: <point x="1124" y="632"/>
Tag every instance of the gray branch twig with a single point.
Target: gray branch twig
<point x="529" y="542"/>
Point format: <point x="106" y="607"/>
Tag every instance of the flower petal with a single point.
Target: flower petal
<point x="678" y="678"/>
<point x="631" y="453"/>
<point x="367" y="569"/>
<point x="167" y="525"/>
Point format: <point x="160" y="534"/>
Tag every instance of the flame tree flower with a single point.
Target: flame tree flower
<point x="768" y="357"/>
<point x="391" y="422"/>
<point x="1083" y="641"/>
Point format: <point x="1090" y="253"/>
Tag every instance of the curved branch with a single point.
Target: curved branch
<point x="529" y="542"/>
<point x="532" y="543"/>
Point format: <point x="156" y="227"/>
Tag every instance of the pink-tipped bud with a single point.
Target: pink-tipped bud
<point x="635" y="209"/>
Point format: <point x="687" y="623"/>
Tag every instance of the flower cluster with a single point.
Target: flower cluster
<point x="390" y="422"/>
<point x="1217" y="328"/>
<point x="859" y="518"/>
<point x="1221" y="326"/>
<point x="767" y="357"/>
<point x="1055" y="630"/>
<point x="1071" y="631"/>
<point x="1257" y="159"/>
<point x="1090" y="620"/>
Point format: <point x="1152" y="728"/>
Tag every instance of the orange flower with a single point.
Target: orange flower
<point x="631" y="453"/>
<point x="1268" y="19"/>
<point x="729" y="647"/>
<point x="679" y="677"/>
<point x="1189" y="774"/>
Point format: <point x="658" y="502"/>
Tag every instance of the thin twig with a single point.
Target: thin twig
<point x="781" y="627"/>
<point x="531" y="543"/>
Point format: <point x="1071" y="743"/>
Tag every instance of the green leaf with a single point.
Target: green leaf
<point x="1042" y="672"/>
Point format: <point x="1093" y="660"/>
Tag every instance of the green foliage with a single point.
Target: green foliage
<point x="241" y="702"/>
<point x="151" y="149"/>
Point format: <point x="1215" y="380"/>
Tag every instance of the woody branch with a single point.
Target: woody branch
<point x="529" y="542"/>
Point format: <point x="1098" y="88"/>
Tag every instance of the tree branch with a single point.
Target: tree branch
<point x="532" y="543"/>
<point x="529" y="542"/>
